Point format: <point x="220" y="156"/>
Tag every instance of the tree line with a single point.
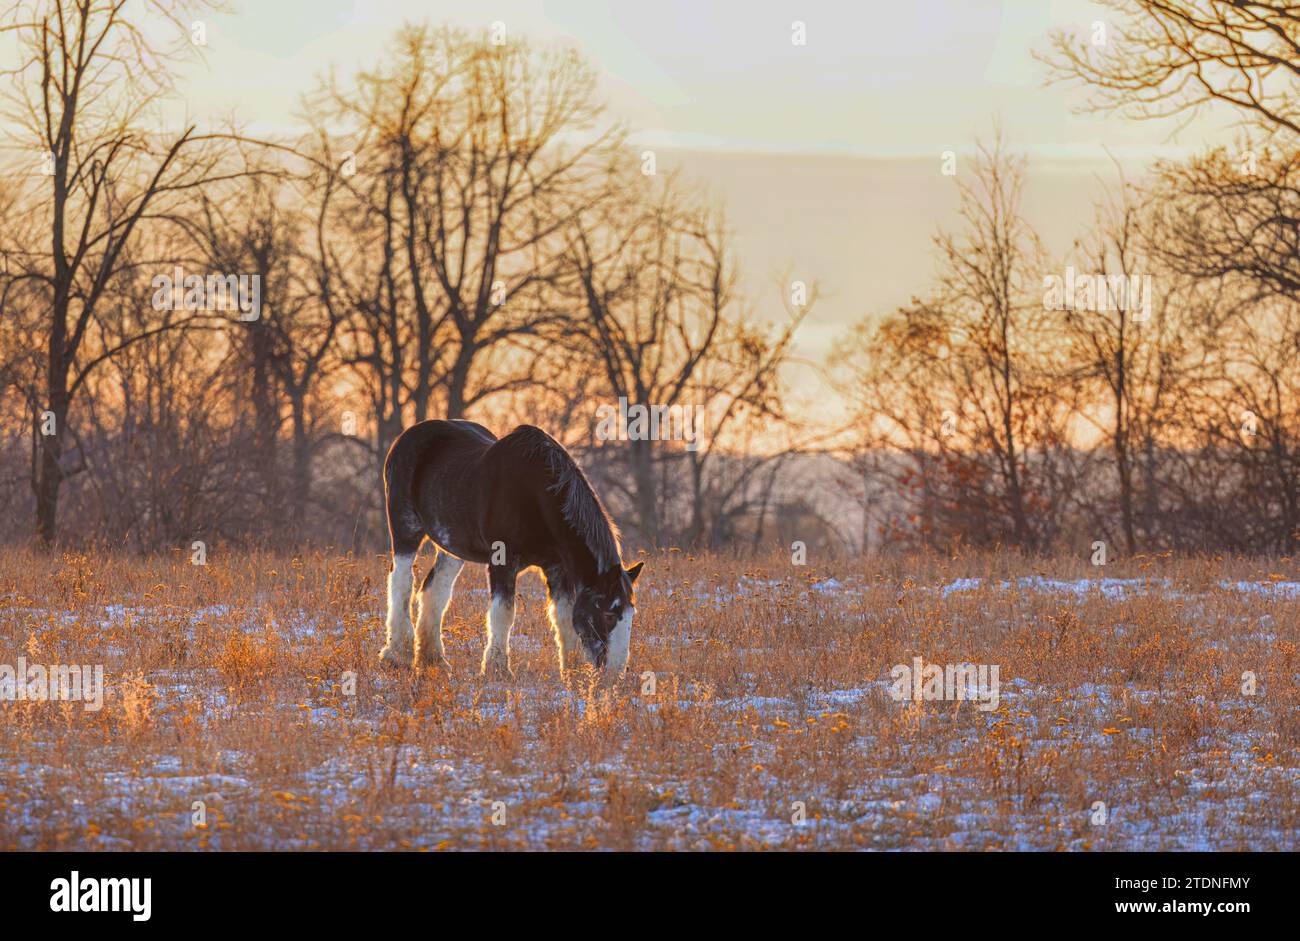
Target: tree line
<point x="462" y="231"/>
<point x="1153" y="405"/>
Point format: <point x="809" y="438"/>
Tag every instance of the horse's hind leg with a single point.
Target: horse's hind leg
<point x="501" y="617"/>
<point x="435" y="595"/>
<point x="399" y="647"/>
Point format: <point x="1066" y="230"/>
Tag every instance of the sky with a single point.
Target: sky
<point x="873" y="79"/>
<point x="826" y="155"/>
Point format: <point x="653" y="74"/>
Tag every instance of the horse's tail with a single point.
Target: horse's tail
<point x="403" y="528"/>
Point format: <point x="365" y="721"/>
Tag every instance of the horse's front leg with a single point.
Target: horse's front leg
<point x="560" y="608"/>
<point x="501" y="617"/>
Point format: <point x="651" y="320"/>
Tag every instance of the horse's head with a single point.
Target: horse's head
<point x="602" y="617"/>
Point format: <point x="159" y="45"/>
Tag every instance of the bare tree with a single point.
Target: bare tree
<point x="1233" y="229"/>
<point x="992" y="320"/>
<point x="1173" y="57"/>
<point x="963" y="382"/>
<point x="471" y="156"/>
<point x="255" y="225"/>
<point x="1227" y="223"/>
<point x="1129" y="350"/>
<point x="86" y="85"/>
<point x="653" y="275"/>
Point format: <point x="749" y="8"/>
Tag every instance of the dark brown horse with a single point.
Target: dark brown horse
<point x="511" y="503"/>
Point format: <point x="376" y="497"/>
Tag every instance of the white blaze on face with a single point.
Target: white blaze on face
<point x="620" y="640"/>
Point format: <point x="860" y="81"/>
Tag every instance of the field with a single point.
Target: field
<point x="245" y="709"/>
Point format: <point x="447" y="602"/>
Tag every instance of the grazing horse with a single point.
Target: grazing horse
<point x="513" y="503"/>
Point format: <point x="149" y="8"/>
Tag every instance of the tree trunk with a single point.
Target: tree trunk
<point x="265" y="413"/>
<point x="49" y="477"/>
<point x="48" y="469"/>
<point x="458" y="380"/>
<point x="1125" y="472"/>
<point x="643" y="474"/>
<point x="301" y="466"/>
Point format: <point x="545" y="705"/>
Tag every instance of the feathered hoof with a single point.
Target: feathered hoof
<point x="496" y="666"/>
<point x="434" y="663"/>
<point x="391" y="657"/>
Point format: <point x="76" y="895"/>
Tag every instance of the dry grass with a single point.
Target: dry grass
<point x="226" y="687"/>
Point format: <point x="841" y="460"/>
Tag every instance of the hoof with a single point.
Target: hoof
<point x="435" y="662"/>
<point x="391" y="657"/>
<point x="496" y="666"/>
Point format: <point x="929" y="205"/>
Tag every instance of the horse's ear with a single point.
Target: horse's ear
<point x="634" y="570"/>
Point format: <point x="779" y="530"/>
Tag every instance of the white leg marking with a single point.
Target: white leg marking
<point x="501" y="617"/>
<point x="560" y="610"/>
<point x="435" y="596"/>
<point x="620" y="641"/>
<point x="398" y="646"/>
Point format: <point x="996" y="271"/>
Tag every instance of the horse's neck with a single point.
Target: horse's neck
<point x="575" y="569"/>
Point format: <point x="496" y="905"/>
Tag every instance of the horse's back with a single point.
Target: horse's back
<point x="437" y="433"/>
<point x="474" y="428"/>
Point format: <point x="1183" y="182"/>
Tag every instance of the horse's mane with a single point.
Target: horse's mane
<point x="580" y="506"/>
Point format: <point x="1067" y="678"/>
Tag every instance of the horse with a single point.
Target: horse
<point x="512" y="503"/>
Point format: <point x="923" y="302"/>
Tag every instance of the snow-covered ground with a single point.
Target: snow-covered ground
<point x="876" y="772"/>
